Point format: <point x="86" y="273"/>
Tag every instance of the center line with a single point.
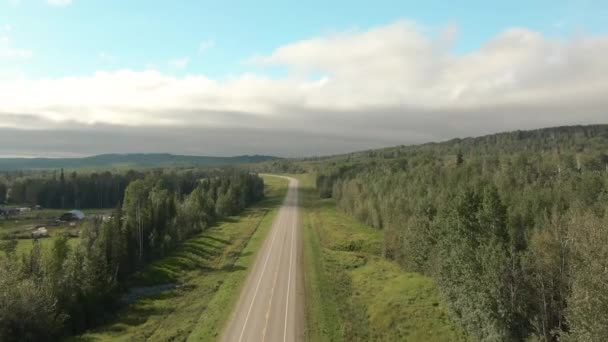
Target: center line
<point x="261" y="276"/>
<point x="274" y="283"/>
<point x="293" y="233"/>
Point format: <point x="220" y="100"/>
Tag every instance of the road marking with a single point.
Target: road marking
<point x="293" y="233"/>
<point x="274" y="284"/>
<point x="257" y="287"/>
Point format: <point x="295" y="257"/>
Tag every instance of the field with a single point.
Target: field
<point x="23" y="224"/>
<point x="352" y="293"/>
<point x="209" y="269"/>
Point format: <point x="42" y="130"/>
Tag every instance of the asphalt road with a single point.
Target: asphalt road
<point x="270" y="307"/>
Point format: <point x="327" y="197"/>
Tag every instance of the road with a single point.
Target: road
<point x="270" y="307"/>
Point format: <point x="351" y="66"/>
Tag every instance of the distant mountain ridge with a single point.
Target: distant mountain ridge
<point x="556" y="140"/>
<point x="133" y="160"/>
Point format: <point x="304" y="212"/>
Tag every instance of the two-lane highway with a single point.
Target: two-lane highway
<point x="269" y="308"/>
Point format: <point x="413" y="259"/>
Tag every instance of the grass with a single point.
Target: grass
<point x="353" y="293"/>
<point x="23" y="224"/>
<point x="211" y="269"/>
<point x="25" y="246"/>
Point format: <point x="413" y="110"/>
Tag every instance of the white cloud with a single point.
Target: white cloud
<point x="389" y="84"/>
<point x="7" y="49"/>
<point x="205" y="45"/>
<point x="179" y="63"/>
<point x="59" y="3"/>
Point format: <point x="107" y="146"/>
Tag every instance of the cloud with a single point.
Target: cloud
<point x="179" y="63"/>
<point x="59" y="3"/>
<point x="344" y="91"/>
<point x="7" y="49"/>
<point x="205" y="45"/>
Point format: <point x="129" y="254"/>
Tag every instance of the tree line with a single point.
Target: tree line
<point x="513" y="227"/>
<point x="68" y="288"/>
<point x="62" y="190"/>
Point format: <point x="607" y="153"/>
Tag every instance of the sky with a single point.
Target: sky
<point x="83" y="77"/>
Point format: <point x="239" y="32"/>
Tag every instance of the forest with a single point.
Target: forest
<point x="513" y="227"/>
<point x="61" y="190"/>
<point x="70" y="287"/>
<point x="127" y="161"/>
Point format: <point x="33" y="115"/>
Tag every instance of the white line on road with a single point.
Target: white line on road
<point x="293" y="233"/>
<point x="274" y="283"/>
<point x="257" y="287"/>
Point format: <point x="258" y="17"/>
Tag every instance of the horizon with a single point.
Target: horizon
<point x="191" y="80"/>
<point x="289" y="157"/>
<point x="133" y="153"/>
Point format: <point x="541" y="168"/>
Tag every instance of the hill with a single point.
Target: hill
<point x="131" y="160"/>
<point x="511" y="226"/>
<point x="587" y="144"/>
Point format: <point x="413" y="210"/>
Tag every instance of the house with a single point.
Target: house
<point x="40" y="233"/>
<point x="73" y="215"/>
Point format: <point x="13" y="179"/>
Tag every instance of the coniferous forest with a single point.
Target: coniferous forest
<point x="76" y="189"/>
<point x="45" y="294"/>
<point x="513" y="227"/>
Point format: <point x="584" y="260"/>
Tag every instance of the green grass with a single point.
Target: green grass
<point x="211" y="268"/>
<point x="23" y="224"/>
<point x="25" y="246"/>
<point x="353" y="293"/>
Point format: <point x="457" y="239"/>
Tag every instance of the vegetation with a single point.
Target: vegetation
<point x="511" y="226"/>
<point x="496" y="238"/>
<point x="57" y="189"/>
<point x="72" y="288"/>
<point x="210" y="269"/>
<point x="136" y="160"/>
<point x="352" y="293"/>
<point x="3" y="191"/>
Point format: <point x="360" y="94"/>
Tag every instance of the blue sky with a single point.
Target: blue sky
<point x="81" y="77"/>
<point x="88" y="35"/>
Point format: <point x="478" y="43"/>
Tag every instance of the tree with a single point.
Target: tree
<point x="68" y="289"/>
<point x="459" y="158"/>
<point x="547" y="267"/>
<point x="3" y="192"/>
<point x="136" y="220"/>
<point x="587" y="303"/>
<point x="8" y="246"/>
<point x="224" y="204"/>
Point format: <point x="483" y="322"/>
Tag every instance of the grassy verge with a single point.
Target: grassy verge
<point x="210" y="268"/>
<point x="352" y="293"/>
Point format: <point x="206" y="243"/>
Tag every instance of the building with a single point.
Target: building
<point x="73" y="215"/>
<point x="40" y="233"/>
